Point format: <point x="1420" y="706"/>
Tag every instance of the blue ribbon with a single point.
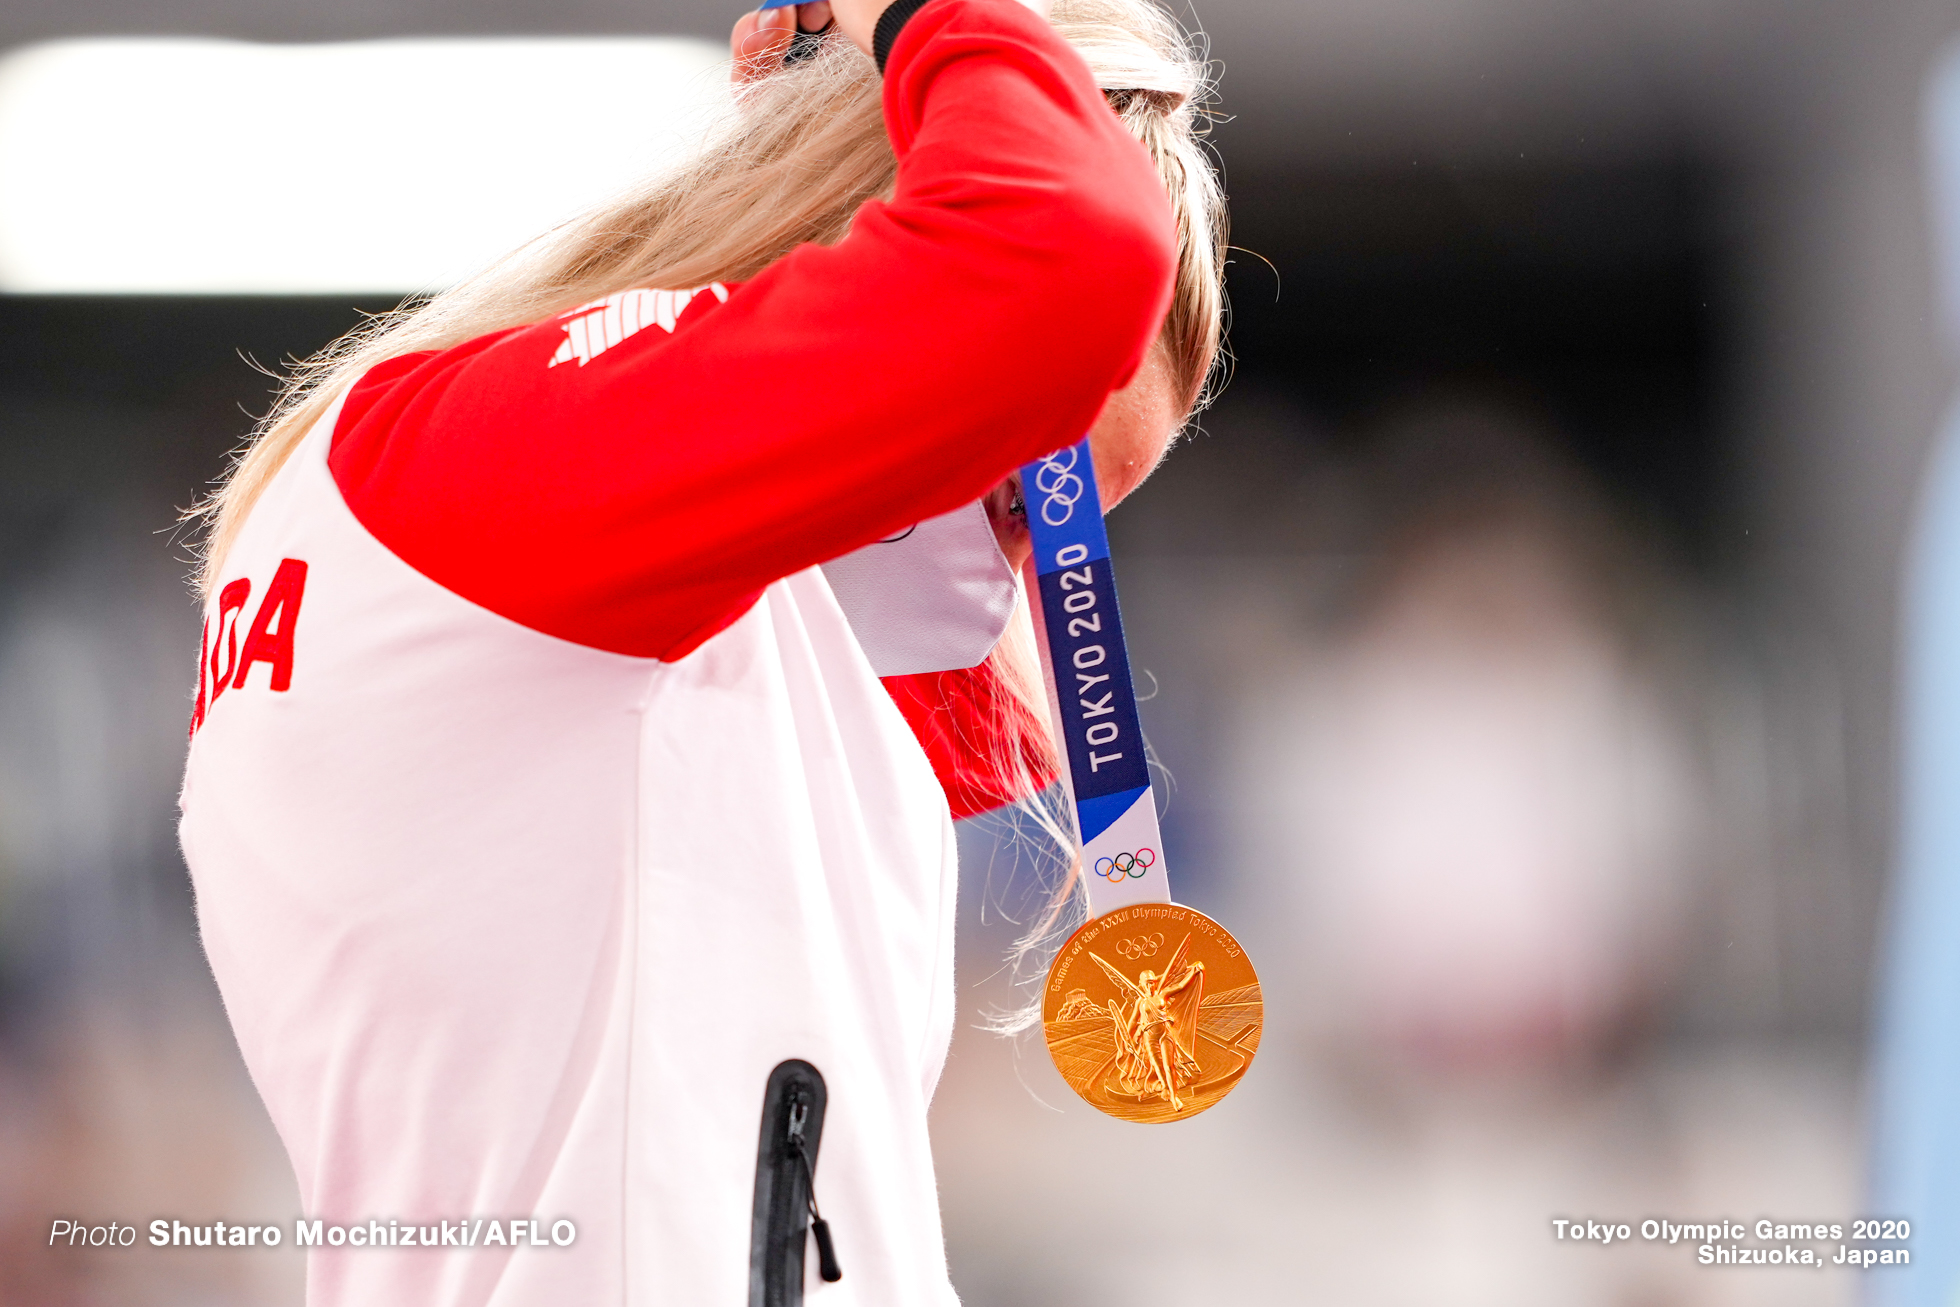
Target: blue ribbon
<point x="1095" y="696"/>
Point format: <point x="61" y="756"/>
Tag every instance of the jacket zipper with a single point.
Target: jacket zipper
<point x="786" y="1210"/>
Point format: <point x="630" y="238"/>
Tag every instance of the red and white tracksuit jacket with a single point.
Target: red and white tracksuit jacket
<point x="540" y="798"/>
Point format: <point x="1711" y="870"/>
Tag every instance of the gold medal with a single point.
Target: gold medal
<point x="1152" y="1012"/>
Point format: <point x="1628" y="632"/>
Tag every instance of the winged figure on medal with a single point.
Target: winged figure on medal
<point x="1157" y="1026"/>
<point x="1157" y="1049"/>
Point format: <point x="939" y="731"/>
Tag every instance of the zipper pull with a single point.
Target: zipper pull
<point x="799" y="1114"/>
<point x="826" y="1254"/>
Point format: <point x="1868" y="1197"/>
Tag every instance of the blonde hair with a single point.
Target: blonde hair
<point x="803" y="150"/>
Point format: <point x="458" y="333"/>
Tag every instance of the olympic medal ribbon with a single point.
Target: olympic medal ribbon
<point x="1091" y="698"/>
<point x="1152" y="1011"/>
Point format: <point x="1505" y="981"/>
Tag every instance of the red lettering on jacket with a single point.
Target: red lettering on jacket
<point x="266" y="645"/>
<point x="222" y="664"/>
<point x="231" y="602"/>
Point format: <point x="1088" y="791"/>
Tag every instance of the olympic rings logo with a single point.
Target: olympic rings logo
<point x="1132" y="865"/>
<point x="1059" y="486"/>
<point x="1144" y="947"/>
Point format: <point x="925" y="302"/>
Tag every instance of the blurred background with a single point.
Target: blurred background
<point x="1523" y="621"/>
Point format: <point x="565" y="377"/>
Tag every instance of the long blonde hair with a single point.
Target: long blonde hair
<point x="803" y="149"/>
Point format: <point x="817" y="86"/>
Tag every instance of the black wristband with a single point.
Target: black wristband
<point x="804" y="45"/>
<point x="890" y="24"/>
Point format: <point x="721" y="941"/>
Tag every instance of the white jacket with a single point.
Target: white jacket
<point x="499" y="938"/>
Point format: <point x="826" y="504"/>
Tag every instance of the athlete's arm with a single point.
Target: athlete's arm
<point x="638" y="498"/>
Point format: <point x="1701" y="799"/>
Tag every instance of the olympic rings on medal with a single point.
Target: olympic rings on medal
<point x="1143" y="947"/>
<point x="1132" y="865"/>
<point x="1059" y="486"/>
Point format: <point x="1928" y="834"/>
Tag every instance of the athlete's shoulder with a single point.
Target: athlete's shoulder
<point x="523" y="469"/>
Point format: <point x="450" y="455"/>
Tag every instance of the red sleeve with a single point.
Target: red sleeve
<point x="630" y="477"/>
<point x="986" y="747"/>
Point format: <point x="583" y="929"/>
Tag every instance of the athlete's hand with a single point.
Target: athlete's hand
<point x="762" y="37"/>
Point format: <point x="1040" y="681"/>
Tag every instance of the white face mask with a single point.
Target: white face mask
<point x="932" y="599"/>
